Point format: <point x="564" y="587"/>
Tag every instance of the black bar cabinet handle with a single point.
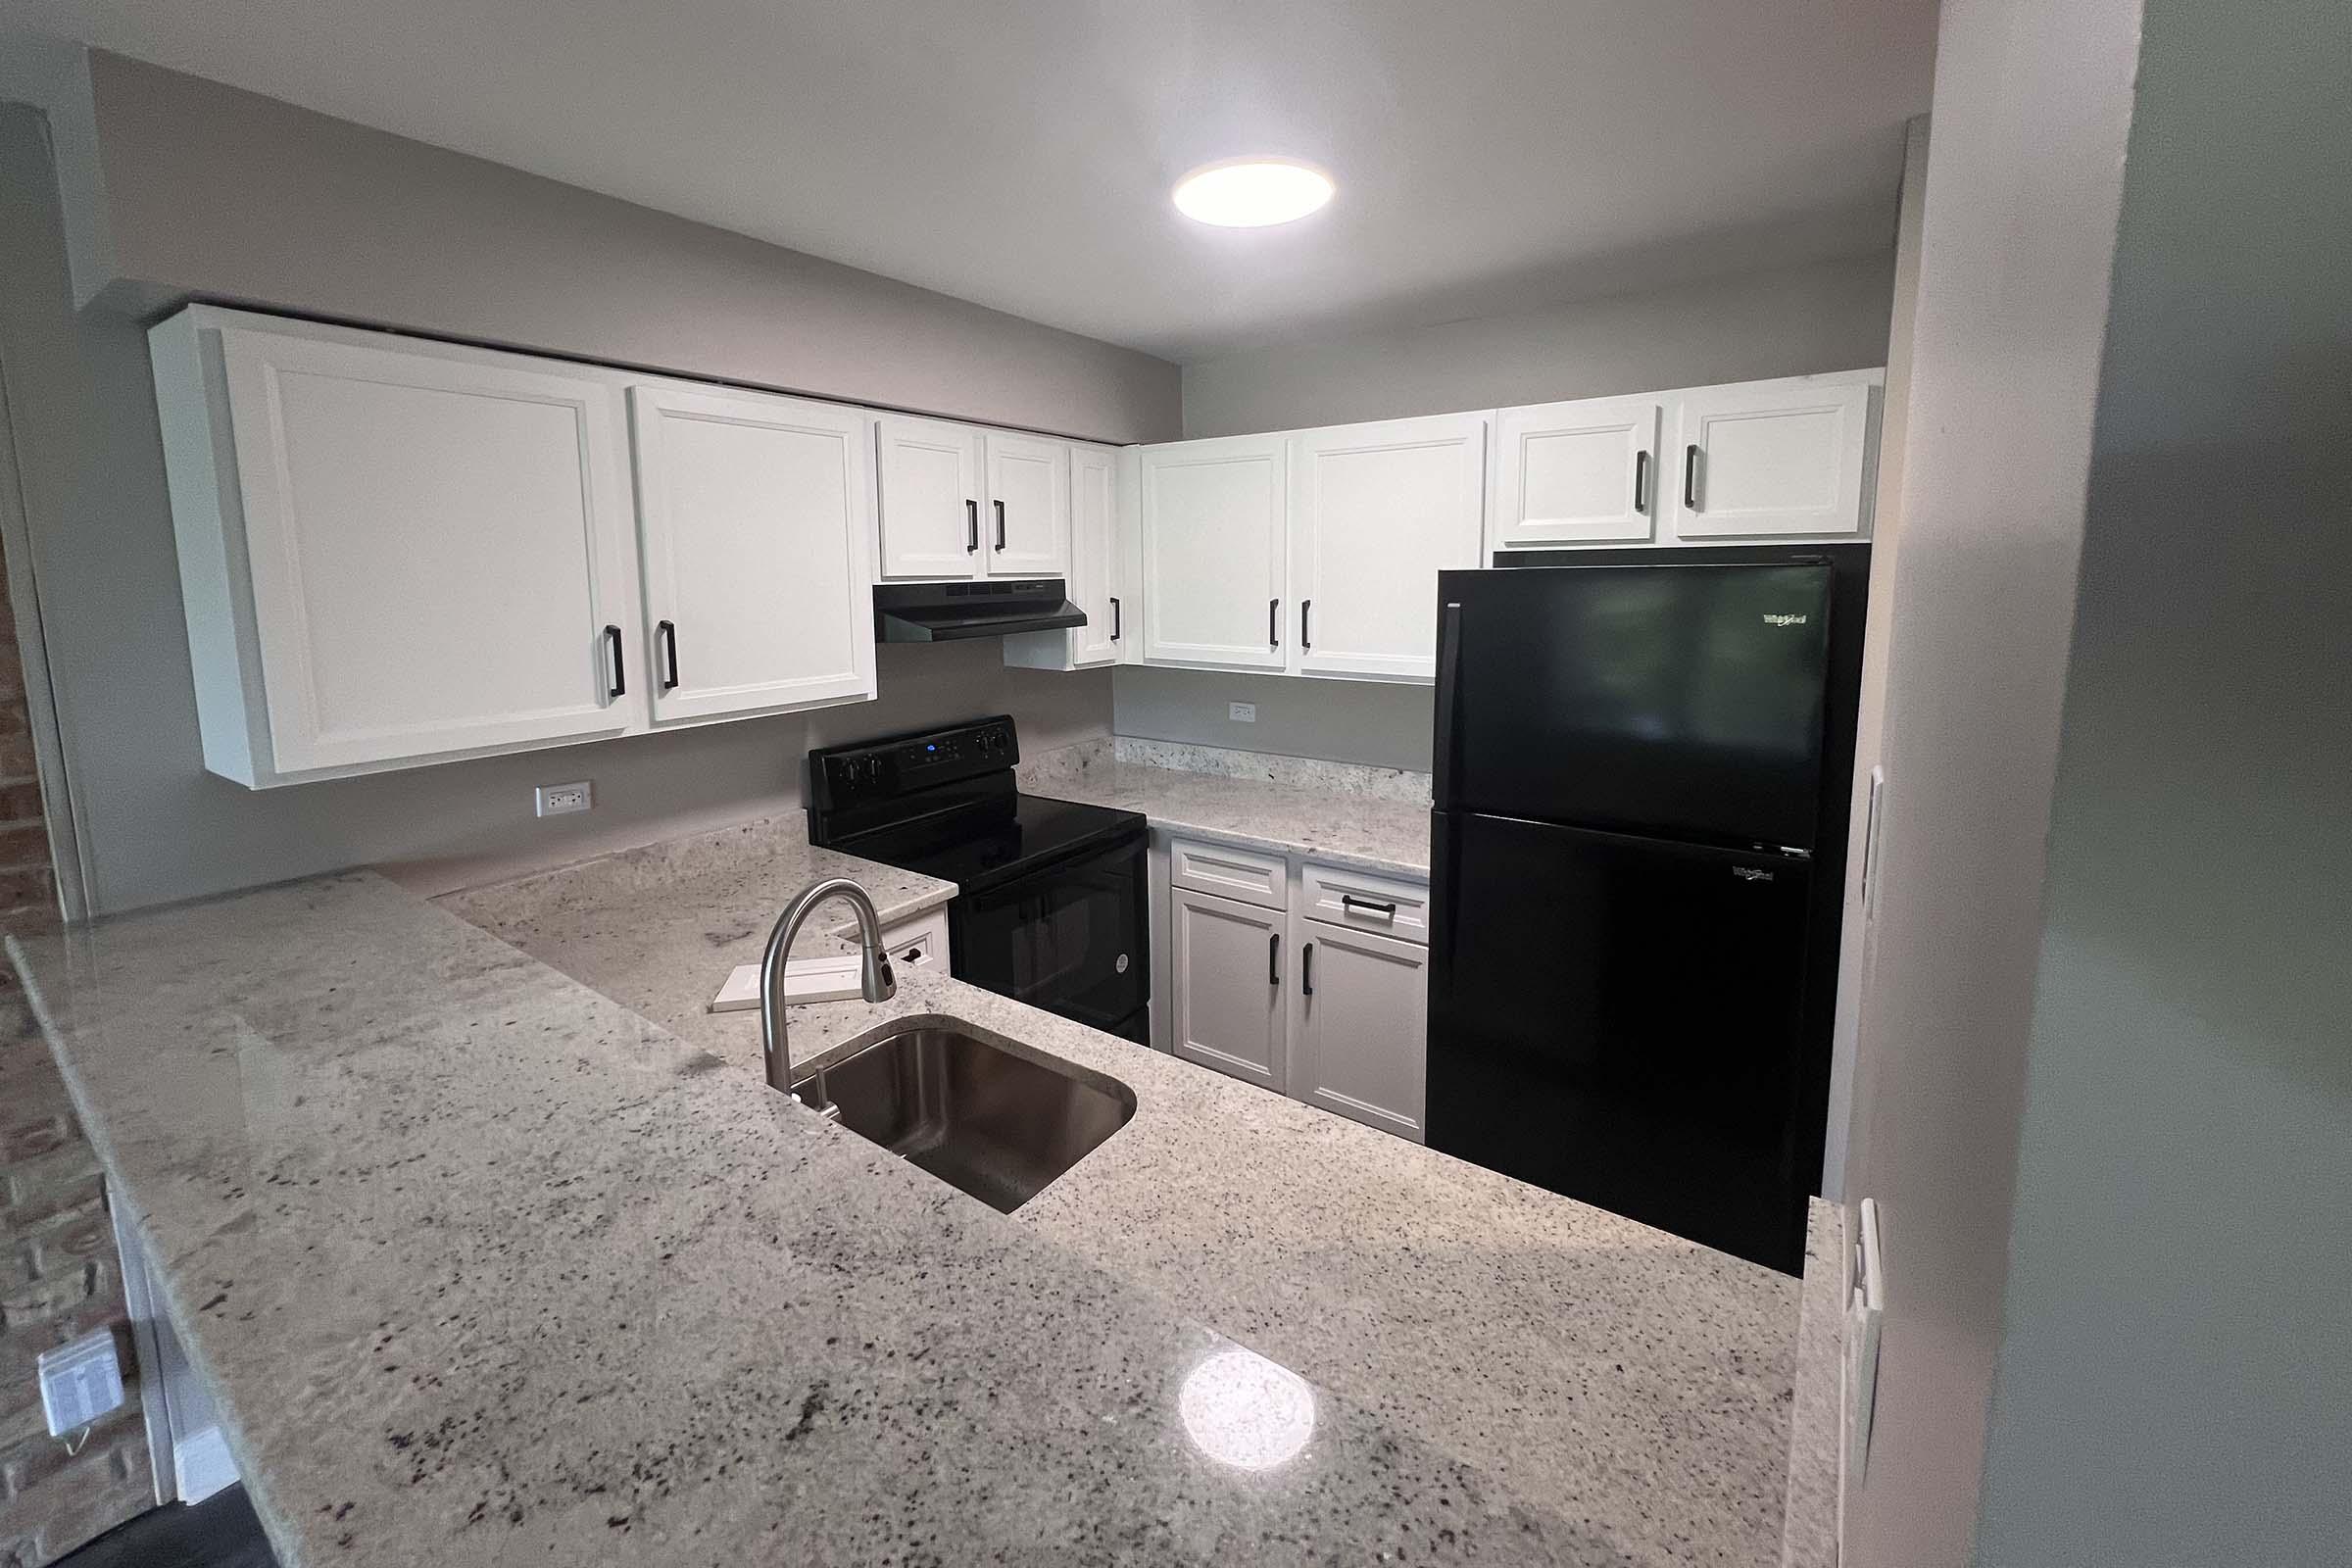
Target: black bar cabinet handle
<point x="1305" y="608"/>
<point x="1691" y="476"/>
<point x="1349" y="901"/>
<point x="1306" y="970"/>
<point x="620" y="684"/>
<point x="1115" y="618"/>
<point x="1273" y="952"/>
<point x="670" y="649"/>
<point x="1000" y="506"/>
<point x="1640" y="480"/>
<point x="972" y="525"/>
<point x="1273" y="623"/>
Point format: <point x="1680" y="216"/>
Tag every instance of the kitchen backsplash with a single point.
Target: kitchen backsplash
<point x="1039" y="773"/>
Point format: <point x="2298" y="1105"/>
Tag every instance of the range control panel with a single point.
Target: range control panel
<point x="895" y="765"/>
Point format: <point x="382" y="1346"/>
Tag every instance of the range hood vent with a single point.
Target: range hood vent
<point x="947" y="611"/>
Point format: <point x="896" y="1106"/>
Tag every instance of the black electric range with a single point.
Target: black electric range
<point x="1049" y="904"/>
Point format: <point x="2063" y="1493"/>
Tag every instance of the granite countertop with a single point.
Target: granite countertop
<point x="484" y="1266"/>
<point x="656" y="929"/>
<point x="1342" y="825"/>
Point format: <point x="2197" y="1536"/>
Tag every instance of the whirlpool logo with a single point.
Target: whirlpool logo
<point x="1751" y="873"/>
<point x="1785" y="621"/>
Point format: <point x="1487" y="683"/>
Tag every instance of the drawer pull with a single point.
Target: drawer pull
<point x="1349" y="903"/>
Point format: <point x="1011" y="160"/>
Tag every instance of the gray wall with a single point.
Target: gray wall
<point x="1340" y="721"/>
<point x="1829" y="316"/>
<point x="2032" y="102"/>
<point x="230" y="196"/>
<point x="2175" y="1372"/>
<point x="152" y="824"/>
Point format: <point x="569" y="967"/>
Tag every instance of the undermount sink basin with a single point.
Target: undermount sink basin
<point x="986" y="1120"/>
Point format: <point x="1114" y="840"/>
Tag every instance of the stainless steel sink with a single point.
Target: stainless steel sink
<point x="994" y="1123"/>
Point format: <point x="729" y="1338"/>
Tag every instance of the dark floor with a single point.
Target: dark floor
<point x="220" y="1532"/>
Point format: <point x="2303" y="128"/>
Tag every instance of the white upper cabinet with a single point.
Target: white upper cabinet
<point x="755" y="517"/>
<point x="1575" y="473"/>
<point x="1213" y="542"/>
<point x="392" y="550"/>
<point x="930" y="498"/>
<point x="1377" y="511"/>
<point x="1028" y="516"/>
<point x="1770" y="458"/>
<point x="1097" y="565"/>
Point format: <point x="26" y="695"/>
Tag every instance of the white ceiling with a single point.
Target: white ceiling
<point x="1490" y="153"/>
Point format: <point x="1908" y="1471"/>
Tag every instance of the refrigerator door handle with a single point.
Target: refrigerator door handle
<point x="1450" y="657"/>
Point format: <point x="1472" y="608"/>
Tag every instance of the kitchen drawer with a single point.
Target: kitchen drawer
<point x="1251" y="875"/>
<point x="1365" y="901"/>
<point x="918" y="944"/>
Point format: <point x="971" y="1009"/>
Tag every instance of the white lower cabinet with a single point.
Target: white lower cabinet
<point x="1360" y="1026"/>
<point x="1228" y="984"/>
<point x="1330" y="1014"/>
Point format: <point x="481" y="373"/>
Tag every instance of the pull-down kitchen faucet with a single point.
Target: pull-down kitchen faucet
<point x="874" y="979"/>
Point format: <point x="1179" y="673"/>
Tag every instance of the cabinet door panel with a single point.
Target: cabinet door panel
<point x="929" y="474"/>
<point x="1028" y="506"/>
<point x="1361" y="1046"/>
<point x="1377" y="512"/>
<point x="1227" y="962"/>
<point x="1767" y="460"/>
<point x="1213" y="544"/>
<point x="1581" y="473"/>
<point x="1093" y="559"/>
<point x="757" y="524"/>
<point x="435" y="550"/>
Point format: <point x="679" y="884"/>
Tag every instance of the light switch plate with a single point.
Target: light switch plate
<point x="1865" y="1312"/>
<point x="80" y="1382"/>
<point x="558" y="799"/>
<point x="1242" y="713"/>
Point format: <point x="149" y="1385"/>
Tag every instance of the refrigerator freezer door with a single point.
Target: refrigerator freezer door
<point x="1679" y="699"/>
<point x="1618" y="1020"/>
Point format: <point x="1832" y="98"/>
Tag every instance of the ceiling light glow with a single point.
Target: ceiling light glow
<point x="1252" y="192"/>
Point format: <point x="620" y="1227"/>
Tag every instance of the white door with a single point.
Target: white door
<point x="1093" y="555"/>
<point x="1028" y="513"/>
<point x="756" y="521"/>
<point x="1213" y="544"/>
<point x="1574" y="473"/>
<point x="436" y="548"/>
<point x="1229" y="963"/>
<point x="1770" y="458"/>
<point x="929" y="473"/>
<point x="1362" y="1045"/>
<point x="1377" y="511"/>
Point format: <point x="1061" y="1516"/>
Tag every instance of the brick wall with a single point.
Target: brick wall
<point x="60" y="1276"/>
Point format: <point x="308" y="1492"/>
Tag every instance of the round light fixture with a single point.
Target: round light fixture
<point x="1252" y="192"/>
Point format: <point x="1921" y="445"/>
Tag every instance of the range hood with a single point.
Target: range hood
<point x="947" y="612"/>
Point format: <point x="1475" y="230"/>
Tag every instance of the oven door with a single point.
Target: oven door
<point x="1070" y="937"/>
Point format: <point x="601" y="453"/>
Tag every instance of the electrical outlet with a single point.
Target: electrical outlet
<point x="1242" y="713"/>
<point x="80" y="1382"/>
<point x="556" y="800"/>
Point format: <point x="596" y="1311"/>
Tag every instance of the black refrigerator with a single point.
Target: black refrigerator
<point x="1642" y="768"/>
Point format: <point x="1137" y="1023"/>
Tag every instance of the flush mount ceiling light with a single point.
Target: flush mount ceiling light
<point x="1252" y="192"/>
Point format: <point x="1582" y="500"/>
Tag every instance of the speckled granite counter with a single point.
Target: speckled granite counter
<point x="484" y="1267"/>
<point x="656" y="929"/>
<point x="1809" y="1535"/>
<point x="1324" y="809"/>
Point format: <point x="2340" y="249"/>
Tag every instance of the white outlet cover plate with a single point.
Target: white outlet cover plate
<point x="1242" y="713"/>
<point x="828" y="979"/>
<point x="80" y="1382"/>
<point x="558" y="799"/>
